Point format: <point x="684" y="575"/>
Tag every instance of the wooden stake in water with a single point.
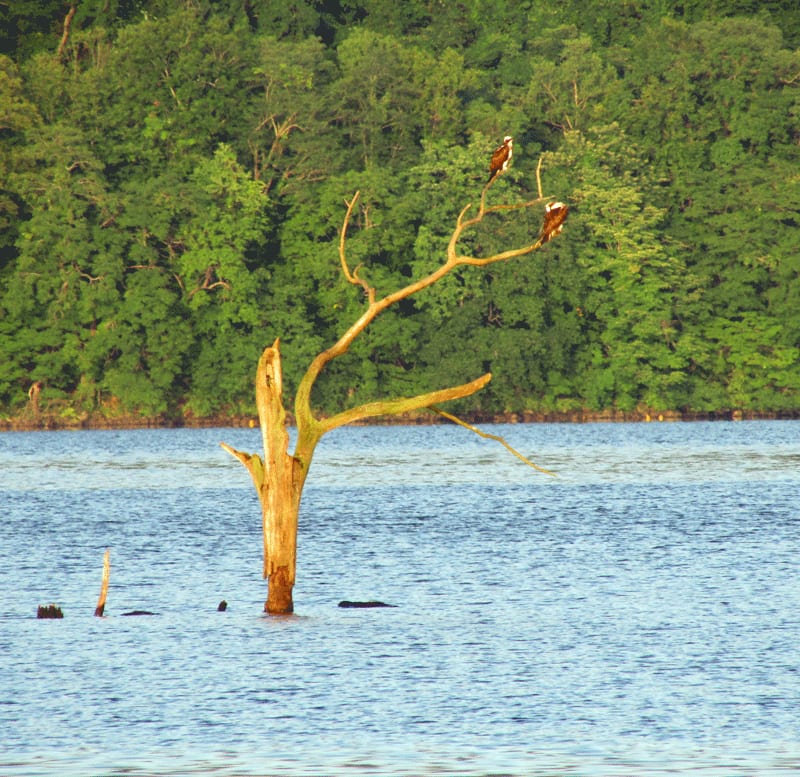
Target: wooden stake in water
<point x="101" y="602"/>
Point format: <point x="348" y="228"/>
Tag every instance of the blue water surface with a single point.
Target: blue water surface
<point x="637" y="615"/>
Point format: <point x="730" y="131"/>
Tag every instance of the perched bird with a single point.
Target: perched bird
<point x="501" y="157"/>
<point x="555" y="213"/>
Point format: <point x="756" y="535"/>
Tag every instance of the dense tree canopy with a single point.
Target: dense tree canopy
<point x="173" y="176"/>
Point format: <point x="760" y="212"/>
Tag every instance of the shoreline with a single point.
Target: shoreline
<point x="27" y="422"/>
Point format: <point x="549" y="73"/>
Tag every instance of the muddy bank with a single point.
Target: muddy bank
<point x="50" y="421"/>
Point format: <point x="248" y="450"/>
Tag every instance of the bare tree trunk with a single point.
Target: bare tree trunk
<point x="33" y="395"/>
<point x="279" y="477"/>
<point x="279" y="482"/>
<point x="280" y="505"/>
<point x="279" y="593"/>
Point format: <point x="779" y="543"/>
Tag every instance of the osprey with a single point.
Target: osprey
<point x="555" y="214"/>
<point x="501" y="157"/>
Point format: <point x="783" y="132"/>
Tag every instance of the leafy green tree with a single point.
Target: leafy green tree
<point x="721" y="117"/>
<point x="28" y="26"/>
<point x="195" y="157"/>
<point x="224" y="284"/>
<point x="574" y="85"/>
<point x="289" y="131"/>
<point x="192" y="82"/>
<point x="298" y="21"/>
<point x="636" y="285"/>
<point x="17" y="115"/>
<point x="146" y="347"/>
<point x="60" y="256"/>
<point x="391" y="95"/>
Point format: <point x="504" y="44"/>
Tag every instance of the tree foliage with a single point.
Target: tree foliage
<point x="172" y="177"/>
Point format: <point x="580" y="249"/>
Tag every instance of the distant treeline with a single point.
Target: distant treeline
<point x="173" y="177"/>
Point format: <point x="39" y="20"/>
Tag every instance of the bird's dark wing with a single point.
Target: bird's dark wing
<point x="498" y="157"/>
<point x="554" y="216"/>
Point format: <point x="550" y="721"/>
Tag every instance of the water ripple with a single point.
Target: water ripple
<point x="636" y="615"/>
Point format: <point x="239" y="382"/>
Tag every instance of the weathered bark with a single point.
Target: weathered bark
<point x="278" y="479"/>
<point x="279" y="593"/>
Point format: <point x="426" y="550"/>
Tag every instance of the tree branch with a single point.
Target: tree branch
<point x="352" y="277"/>
<point x="308" y="426"/>
<point x="501" y="257"/>
<point x="539" y="176"/>
<point x="488" y="436"/>
<point x="65" y="36"/>
<point x="252" y="461"/>
<point x="82" y="274"/>
<point x="402" y="404"/>
<point x="377" y="306"/>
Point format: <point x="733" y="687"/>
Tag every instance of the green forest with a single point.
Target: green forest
<point x="173" y="178"/>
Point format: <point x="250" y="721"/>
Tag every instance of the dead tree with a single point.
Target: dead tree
<point x="33" y="394"/>
<point x="279" y="476"/>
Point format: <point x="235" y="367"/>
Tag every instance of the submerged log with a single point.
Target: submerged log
<point x="346" y="603"/>
<point x="49" y="611"/>
<point x="139" y="612"/>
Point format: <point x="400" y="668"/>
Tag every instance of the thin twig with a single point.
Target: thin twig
<point x="352" y="277"/>
<point x="488" y="436"/>
<point x="539" y="176"/>
<point x="343" y="237"/>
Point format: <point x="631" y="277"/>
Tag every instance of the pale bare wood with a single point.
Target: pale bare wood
<point x="101" y="602"/>
<point x="488" y="436"/>
<point x="271" y="413"/>
<point x="539" y="176"/>
<point x="376" y="306"/>
<point x="252" y="461"/>
<point x="278" y="477"/>
<point x="352" y="277"/>
<point x="278" y="547"/>
<point x="403" y="404"/>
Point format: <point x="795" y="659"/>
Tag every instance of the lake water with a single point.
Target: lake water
<point x="637" y="615"/>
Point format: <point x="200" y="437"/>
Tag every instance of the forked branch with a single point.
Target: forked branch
<point x="376" y="306"/>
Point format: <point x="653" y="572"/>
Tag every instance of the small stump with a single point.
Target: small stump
<point x="49" y="611"/>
